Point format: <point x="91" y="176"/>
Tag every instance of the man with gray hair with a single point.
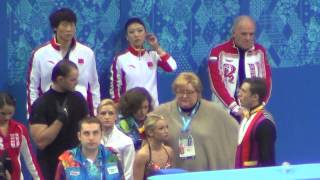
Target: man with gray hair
<point x="235" y="60"/>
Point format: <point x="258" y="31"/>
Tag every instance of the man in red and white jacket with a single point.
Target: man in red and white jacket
<point x="233" y="61"/>
<point x="63" y="46"/>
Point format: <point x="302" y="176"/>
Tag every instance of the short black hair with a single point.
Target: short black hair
<point x="63" y="14"/>
<point x="6" y="99"/>
<point x="89" y="120"/>
<point x="133" y="20"/>
<point x="257" y="86"/>
<point x="132" y="100"/>
<point x="62" y="68"/>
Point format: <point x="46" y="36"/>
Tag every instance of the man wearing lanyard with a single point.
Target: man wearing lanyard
<point x="63" y="46"/>
<point x="257" y="134"/>
<point x="90" y="160"/>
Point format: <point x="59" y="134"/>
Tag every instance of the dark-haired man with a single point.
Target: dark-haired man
<point x="257" y="133"/>
<point x="55" y="115"/>
<point x="90" y="160"/>
<point x="63" y="45"/>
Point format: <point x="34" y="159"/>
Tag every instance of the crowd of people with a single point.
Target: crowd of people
<point x="131" y="136"/>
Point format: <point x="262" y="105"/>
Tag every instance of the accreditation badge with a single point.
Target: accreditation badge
<point x="112" y="170"/>
<point x="186" y="146"/>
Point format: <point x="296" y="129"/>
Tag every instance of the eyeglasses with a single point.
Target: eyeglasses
<point x="185" y="92"/>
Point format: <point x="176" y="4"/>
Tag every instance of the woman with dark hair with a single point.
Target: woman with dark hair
<point x="14" y="142"/>
<point x="134" y="107"/>
<point x="137" y="67"/>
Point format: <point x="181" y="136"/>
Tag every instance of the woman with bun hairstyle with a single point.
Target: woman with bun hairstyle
<point x="138" y="66"/>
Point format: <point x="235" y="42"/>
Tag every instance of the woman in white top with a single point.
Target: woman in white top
<point x="138" y="66"/>
<point x="114" y="138"/>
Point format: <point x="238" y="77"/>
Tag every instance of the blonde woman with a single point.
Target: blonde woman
<point x="114" y="138"/>
<point x="153" y="155"/>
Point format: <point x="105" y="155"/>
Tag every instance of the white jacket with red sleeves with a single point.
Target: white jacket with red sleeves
<point x="223" y="71"/>
<point x="138" y="69"/>
<point x="43" y="60"/>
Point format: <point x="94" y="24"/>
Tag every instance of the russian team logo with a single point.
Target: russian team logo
<point x="228" y="71"/>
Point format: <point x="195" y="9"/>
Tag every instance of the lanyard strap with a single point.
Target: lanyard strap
<point x="66" y="57"/>
<point x="186" y="120"/>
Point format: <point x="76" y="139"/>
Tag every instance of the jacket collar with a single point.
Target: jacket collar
<point x="56" y="45"/>
<point x="135" y="52"/>
<point x="79" y="157"/>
